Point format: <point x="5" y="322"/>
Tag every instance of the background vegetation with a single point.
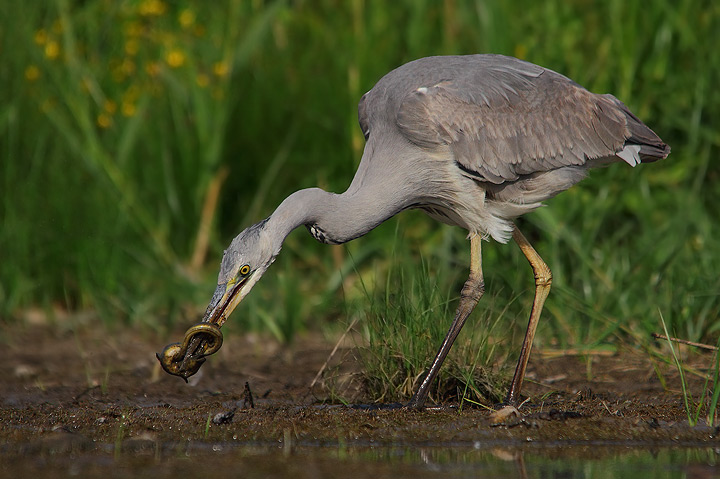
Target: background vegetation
<point x="139" y="136"/>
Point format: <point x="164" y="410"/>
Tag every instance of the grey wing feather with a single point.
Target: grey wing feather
<point x="651" y="146"/>
<point x="515" y="118"/>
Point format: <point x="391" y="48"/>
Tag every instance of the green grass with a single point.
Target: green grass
<point x="139" y="136"/>
<point x="403" y="324"/>
<point x="708" y="398"/>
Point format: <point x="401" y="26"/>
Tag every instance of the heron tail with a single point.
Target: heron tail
<point x="651" y="146"/>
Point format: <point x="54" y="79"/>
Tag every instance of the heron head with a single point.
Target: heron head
<point x="243" y="264"/>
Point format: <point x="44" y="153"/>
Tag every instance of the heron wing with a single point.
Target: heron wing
<point x="513" y="119"/>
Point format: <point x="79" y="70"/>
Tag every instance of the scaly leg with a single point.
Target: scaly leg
<point x="543" y="280"/>
<point x="471" y="293"/>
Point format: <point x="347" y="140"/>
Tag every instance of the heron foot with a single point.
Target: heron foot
<point x="184" y="359"/>
<point x="415" y="405"/>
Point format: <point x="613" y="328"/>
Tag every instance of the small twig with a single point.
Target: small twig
<point x="332" y="353"/>
<point x="558" y="353"/>
<point x="248" y="397"/>
<point x="684" y="341"/>
<point x="616" y="413"/>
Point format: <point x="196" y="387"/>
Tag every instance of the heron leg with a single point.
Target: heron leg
<point x="471" y="293"/>
<point x="543" y="280"/>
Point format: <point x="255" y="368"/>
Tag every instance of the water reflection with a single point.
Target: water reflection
<point x="588" y="461"/>
<point x="190" y="459"/>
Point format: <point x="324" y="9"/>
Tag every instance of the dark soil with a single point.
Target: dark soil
<point x="71" y="391"/>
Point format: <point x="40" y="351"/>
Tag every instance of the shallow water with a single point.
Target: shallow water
<point x="193" y="459"/>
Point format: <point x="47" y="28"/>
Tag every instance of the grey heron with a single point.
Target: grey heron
<point x="474" y="141"/>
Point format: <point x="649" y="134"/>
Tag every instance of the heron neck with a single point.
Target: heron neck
<point x="331" y="218"/>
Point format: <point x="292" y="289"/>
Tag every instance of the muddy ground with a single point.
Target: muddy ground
<point x="65" y="391"/>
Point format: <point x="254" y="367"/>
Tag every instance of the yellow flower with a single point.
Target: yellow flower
<point x="152" y="69"/>
<point x="127" y="67"/>
<point x="41" y="37"/>
<point x="152" y="7"/>
<point x="133" y="29"/>
<point x="131" y="47"/>
<point x="110" y="106"/>
<point x="186" y="18"/>
<point x="128" y="109"/>
<point x="202" y="80"/>
<point x="104" y="120"/>
<point x="52" y="49"/>
<point x="221" y="69"/>
<point x="520" y="51"/>
<point x="32" y="73"/>
<point x="175" y="58"/>
<point x="47" y="105"/>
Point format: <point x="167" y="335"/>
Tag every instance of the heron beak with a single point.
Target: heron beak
<point x="224" y="300"/>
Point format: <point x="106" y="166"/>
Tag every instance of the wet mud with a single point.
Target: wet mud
<point x="69" y="394"/>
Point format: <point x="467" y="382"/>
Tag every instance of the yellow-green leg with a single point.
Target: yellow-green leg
<point x="471" y="293"/>
<point x="543" y="280"/>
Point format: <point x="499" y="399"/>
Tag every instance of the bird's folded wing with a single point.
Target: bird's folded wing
<point x="507" y="122"/>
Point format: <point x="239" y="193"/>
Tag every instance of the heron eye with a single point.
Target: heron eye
<point x="245" y="269"/>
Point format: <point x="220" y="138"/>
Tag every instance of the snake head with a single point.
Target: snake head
<point x="184" y="359"/>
